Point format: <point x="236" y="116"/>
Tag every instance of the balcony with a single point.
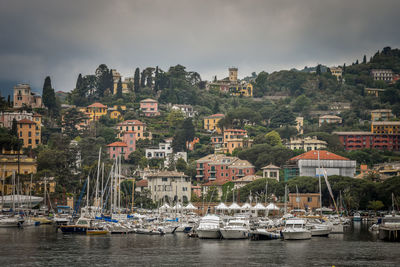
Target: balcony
<point x="199" y="175"/>
<point x="200" y="169"/>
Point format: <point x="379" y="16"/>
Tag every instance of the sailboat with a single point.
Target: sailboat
<point x="13" y="220"/>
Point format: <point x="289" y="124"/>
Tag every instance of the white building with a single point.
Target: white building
<point x="271" y="171"/>
<point x="382" y="74"/>
<point x="187" y="110"/>
<point x="164" y="151"/>
<point x="306" y="144"/>
<point x="169" y="187"/>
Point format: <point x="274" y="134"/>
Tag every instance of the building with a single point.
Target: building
<point x="7" y="117"/>
<point x="138" y="127"/>
<point x="9" y="164"/>
<point x="190" y="145"/>
<point x="115" y="115"/>
<point x="211" y="123"/>
<point x="141" y="185"/>
<point x="218" y="167"/>
<point x="232" y="85"/>
<point x="381" y="115"/>
<point x="300" y="125"/>
<point x="368" y="140"/>
<point x="169" y="187"/>
<point x="149" y="107"/>
<point x="23" y="96"/>
<point x="95" y="111"/>
<point x="374" y="91"/>
<point x="315" y="162"/>
<point x="241" y="89"/>
<point x="164" y="151"/>
<point x="337" y="72"/>
<point x="338" y="107"/>
<point x="217" y="142"/>
<point x="187" y="110"/>
<point x="129" y="138"/>
<point x="307" y="143"/>
<point x="271" y="171"/>
<point x="235" y="138"/>
<point x="213" y="184"/>
<point x="116" y="149"/>
<point x="329" y="119"/>
<point x="196" y="190"/>
<point x="305" y="201"/>
<point x="30" y="132"/>
<point x="233" y="74"/>
<point x="245" y="181"/>
<point x="386" y="127"/>
<point x="116" y="77"/>
<point x="382" y="75"/>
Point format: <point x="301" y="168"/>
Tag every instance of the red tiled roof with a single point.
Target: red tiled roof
<point x="235" y="130"/>
<point x="117" y="144"/>
<point x="97" y="105"/>
<point x="26" y="121"/>
<point x="142" y="183"/>
<point x="217" y="115"/>
<point x="323" y="155"/>
<point x="131" y="121"/>
<point x="211" y="183"/>
<point x="148" y="100"/>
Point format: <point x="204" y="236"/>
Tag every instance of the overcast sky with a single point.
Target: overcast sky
<point x="64" y="38"/>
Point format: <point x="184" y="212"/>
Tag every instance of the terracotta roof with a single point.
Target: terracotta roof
<point x="142" y="183"/>
<point x="26" y="121"/>
<point x="166" y="174"/>
<point x="136" y="122"/>
<point x="97" y="105"/>
<point x="270" y="166"/>
<point x="148" y="100"/>
<point x="117" y="144"/>
<point x="235" y="130"/>
<point x="216" y="115"/>
<point x="247" y="178"/>
<point x="217" y="183"/>
<point x="323" y="155"/>
<point x="330" y="117"/>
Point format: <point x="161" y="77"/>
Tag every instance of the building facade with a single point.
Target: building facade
<point x="129" y="138"/>
<point x="30" y="132"/>
<point x="95" y="111"/>
<point x="169" y="187"/>
<point x="23" y="96"/>
<point x="117" y="149"/>
<point x="329" y="119"/>
<point x="368" y="140"/>
<point x="9" y="164"/>
<point x="381" y="115"/>
<point x="385" y="127"/>
<point x="337" y="72"/>
<point x="136" y="126"/>
<point x="218" y="167"/>
<point x="211" y="123"/>
<point x="308" y="143"/>
<point x="187" y="110"/>
<point x="305" y="201"/>
<point x="382" y="75"/>
<point x="271" y="171"/>
<point x="374" y="91"/>
<point x="235" y="138"/>
<point x="164" y="151"/>
<point x="149" y="107"/>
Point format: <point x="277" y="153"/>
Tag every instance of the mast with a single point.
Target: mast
<point x="30" y="192"/>
<point x="285" y="198"/>
<point x="319" y="182"/>
<point x="266" y="191"/>
<point x="87" y="196"/>
<point x="13" y="191"/>
<point x="96" y="195"/>
<point x="119" y="184"/>
<point x="102" y="188"/>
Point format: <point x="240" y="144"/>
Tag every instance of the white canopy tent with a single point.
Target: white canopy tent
<point x="177" y="207"/>
<point x="272" y="206"/>
<point x="234" y="206"/>
<point x="221" y="206"/>
<point x="190" y="206"/>
<point x="259" y="206"/>
<point x="246" y="206"/>
<point x="165" y="207"/>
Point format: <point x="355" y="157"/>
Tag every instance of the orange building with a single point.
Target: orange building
<point x="235" y="138"/>
<point x="95" y="111"/>
<point x="138" y="127"/>
<point x="29" y="132"/>
<point x="307" y="201"/>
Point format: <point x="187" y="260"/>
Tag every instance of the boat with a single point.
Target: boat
<point x="264" y="234"/>
<point x="236" y="228"/>
<point x="80" y="227"/>
<point x="389" y="228"/>
<point x="96" y="232"/>
<point x="319" y="228"/>
<point x="209" y="227"/>
<point x="11" y="221"/>
<point x="295" y="229"/>
<point x="356" y="217"/>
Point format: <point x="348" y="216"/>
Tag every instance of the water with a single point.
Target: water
<point x="42" y="246"/>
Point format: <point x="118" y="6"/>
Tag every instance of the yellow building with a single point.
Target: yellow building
<point x="235" y="138"/>
<point x="9" y="164"/>
<point x="241" y="89"/>
<point x="115" y="115"/>
<point x="30" y="132"/>
<point x="95" y="111"/>
<point x="211" y="122"/>
<point x="374" y="91"/>
<point x="337" y="72"/>
<point x="381" y="114"/>
<point x="385" y="127"/>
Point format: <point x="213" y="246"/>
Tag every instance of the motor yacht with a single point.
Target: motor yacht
<point x="295" y="229"/>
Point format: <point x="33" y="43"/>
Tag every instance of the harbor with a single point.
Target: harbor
<point x="42" y="246"/>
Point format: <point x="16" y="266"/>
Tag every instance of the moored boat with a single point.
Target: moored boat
<point x="209" y="227"/>
<point x="295" y="229"/>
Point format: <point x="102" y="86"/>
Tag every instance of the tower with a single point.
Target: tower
<point x="233" y="74"/>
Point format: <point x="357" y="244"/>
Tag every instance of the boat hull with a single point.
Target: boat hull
<point x="73" y="229"/>
<point x="209" y="234"/>
<point x="234" y="234"/>
<point x="303" y="235"/>
<point x="320" y="232"/>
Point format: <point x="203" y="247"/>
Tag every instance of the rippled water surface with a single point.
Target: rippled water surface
<point x="42" y="246"/>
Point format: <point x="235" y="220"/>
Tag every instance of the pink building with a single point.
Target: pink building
<point x="117" y="148"/>
<point x="149" y="107"/>
<point x="129" y="138"/>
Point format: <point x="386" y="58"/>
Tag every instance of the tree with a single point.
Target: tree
<point x="175" y="118"/>
<point x="48" y="96"/>
<point x="136" y="80"/>
<point x="364" y="59"/>
<point x="119" y="88"/>
<point x="273" y="139"/>
<point x="188" y="129"/>
<point x="375" y="205"/>
<point x="104" y="79"/>
<point x="302" y="104"/>
<point x="72" y="119"/>
<point x="318" y="70"/>
<point x="143" y="79"/>
<point x="181" y="165"/>
<point x="14" y="128"/>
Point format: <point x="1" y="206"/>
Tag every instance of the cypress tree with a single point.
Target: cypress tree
<point x="344" y="67"/>
<point x="136" y="80"/>
<point x="357" y="62"/>
<point x="49" y="97"/>
<point x="365" y="59"/>
<point x="9" y="100"/>
<point x="143" y="79"/>
<point x="14" y="129"/>
<point x="156" y="80"/>
<point x="119" y="88"/>
<point x="318" y="70"/>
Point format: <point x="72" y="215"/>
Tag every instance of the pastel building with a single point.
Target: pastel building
<point x="306" y="143"/>
<point x="369" y="140"/>
<point x="129" y="138"/>
<point x="381" y="115"/>
<point x="30" y="132"/>
<point x="271" y="171"/>
<point x="219" y="167"/>
<point x="337" y="72"/>
<point x="116" y="149"/>
<point x="95" y="111"/>
<point x="149" y="107"/>
<point x="211" y="123"/>
<point x="235" y="138"/>
<point x="136" y="126"/>
<point x="23" y="96"/>
<point x="329" y="119"/>
<point x="169" y="187"/>
<point x="7" y="117"/>
<point x="382" y="74"/>
<point x="385" y="127"/>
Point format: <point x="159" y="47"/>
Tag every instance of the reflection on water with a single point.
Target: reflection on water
<point x="42" y="246"/>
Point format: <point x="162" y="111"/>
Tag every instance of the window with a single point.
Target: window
<point x="309" y="199"/>
<point x="29" y="134"/>
<point x="164" y="179"/>
<point x="29" y="141"/>
<point x="37" y="141"/>
<point x="298" y="199"/>
<point x="20" y="134"/>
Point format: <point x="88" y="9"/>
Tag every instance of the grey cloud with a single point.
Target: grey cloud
<point x="64" y="38"/>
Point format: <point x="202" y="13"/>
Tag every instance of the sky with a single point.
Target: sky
<point x="61" y="39"/>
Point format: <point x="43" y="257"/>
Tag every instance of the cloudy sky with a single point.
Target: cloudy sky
<point x="64" y="38"/>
